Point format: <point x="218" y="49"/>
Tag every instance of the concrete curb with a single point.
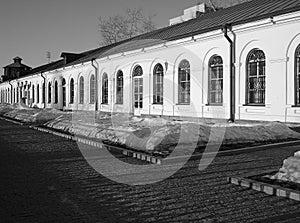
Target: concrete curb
<point x="126" y="152"/>
<point x="265" y="188"/>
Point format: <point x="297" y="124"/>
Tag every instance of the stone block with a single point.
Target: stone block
<point x="256" y="186"/>
<point x="269" y="190"/>
<point x="295" y="196"/>
<point x="235" y="181"/>
<point x="245" y="183"/>
<point x="281" y="192"/>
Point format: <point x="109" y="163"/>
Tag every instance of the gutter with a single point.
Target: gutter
<point x="225" y="29"/>
<point x="96" y="82"/>
<point x="45" y="87"/>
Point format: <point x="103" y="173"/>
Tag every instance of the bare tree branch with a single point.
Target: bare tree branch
<point x="118" y="28"/>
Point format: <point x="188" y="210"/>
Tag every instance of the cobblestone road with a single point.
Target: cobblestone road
<point x="44" y="178"/>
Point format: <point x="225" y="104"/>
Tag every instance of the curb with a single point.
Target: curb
<point x="126" y="152"/>
<point x="265" y="188"/>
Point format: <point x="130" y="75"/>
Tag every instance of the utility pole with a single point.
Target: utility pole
<point x="212" y="5"/>
<point x="48" y="55"/>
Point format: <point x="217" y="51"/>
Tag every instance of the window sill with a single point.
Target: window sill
<point x="214" y="105"/>
<point x="183" y="104"/>
<point x="157" y="104"/>
<point x="295" y="106"/>
<point x="254" y="105"/>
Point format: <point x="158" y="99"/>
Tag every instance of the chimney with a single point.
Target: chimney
<point x="190" y="13"/>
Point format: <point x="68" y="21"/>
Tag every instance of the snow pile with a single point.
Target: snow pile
<point x="29" y="115"/>
<point x="159" y="134"/>
<point x="290" y="171"/>
<point x="4" y="108"/>
<point x="150" y="134"/>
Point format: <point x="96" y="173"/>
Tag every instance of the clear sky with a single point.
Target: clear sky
<point x="30" y="28"/>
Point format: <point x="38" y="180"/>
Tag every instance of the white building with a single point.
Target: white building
<point x="241" y="62"/>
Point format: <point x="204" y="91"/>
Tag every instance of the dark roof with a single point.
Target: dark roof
<point x="44" y="68"/>
<point x="239" y="14"/>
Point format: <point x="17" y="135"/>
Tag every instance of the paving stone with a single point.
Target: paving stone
<point x="44" y="178"/>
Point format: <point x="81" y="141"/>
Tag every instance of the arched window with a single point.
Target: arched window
<point x="72" y="91"/>
<point x="184" y="82"/>
<point x="13" y="95"/>
<point x="158" y="84"/>
<point x="104" y="89"/>
<point x="38" y="93"/>
<point x="297" y="76"/>
<point x="81" y="90"/>
<point x="43" y="93"/>
<point x="55" y="92"/>
<point x="138" y="87"/>
<point x="49" y="93"/>
<point x="119" y="90"/>
<point x="215" y="83"/>
<point x="92" y="89"/>
<point x="256" y="77"/>
<point x="17" y="96"/>
<point x="33" y="94"/>
<point x="138" y="71"/>
<point x="64" y="96"/>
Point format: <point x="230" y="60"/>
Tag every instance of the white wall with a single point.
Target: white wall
<point x="278" y="40"/>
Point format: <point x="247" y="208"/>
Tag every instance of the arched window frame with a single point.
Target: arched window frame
<point x="49" y="92"/>
<point x="256" y="78"/>
<point x="215" y="81"/>
<point x="158" y="84"/>
<point x="119" y="87"/>
<point x="297" y="76"/>
<point x="72" y="94"/>
<point x="184" y="88"/>
<point x="55" y="92"/>
<point x="92" y="89"/>
<point x="81" y="90"/>
<point x="105" y="89"/>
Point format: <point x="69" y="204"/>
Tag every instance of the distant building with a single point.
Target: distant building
<point x="15" y="70"/>
<point x="236" y="63"/>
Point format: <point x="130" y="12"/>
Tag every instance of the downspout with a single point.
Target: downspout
<point x="96" y="81"/>
<point x="225" y="29"/>
<point x="11" y="90"/>
<point x="45" y="87"/>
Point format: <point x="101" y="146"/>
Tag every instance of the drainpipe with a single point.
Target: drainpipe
<point x="225" y="29"/>
<point x="96" y="81"/>
<point x="44" y="95"/>
<point x="11" y="90"/>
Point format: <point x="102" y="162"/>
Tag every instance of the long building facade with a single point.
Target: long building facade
<point x="238" y="63"/>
